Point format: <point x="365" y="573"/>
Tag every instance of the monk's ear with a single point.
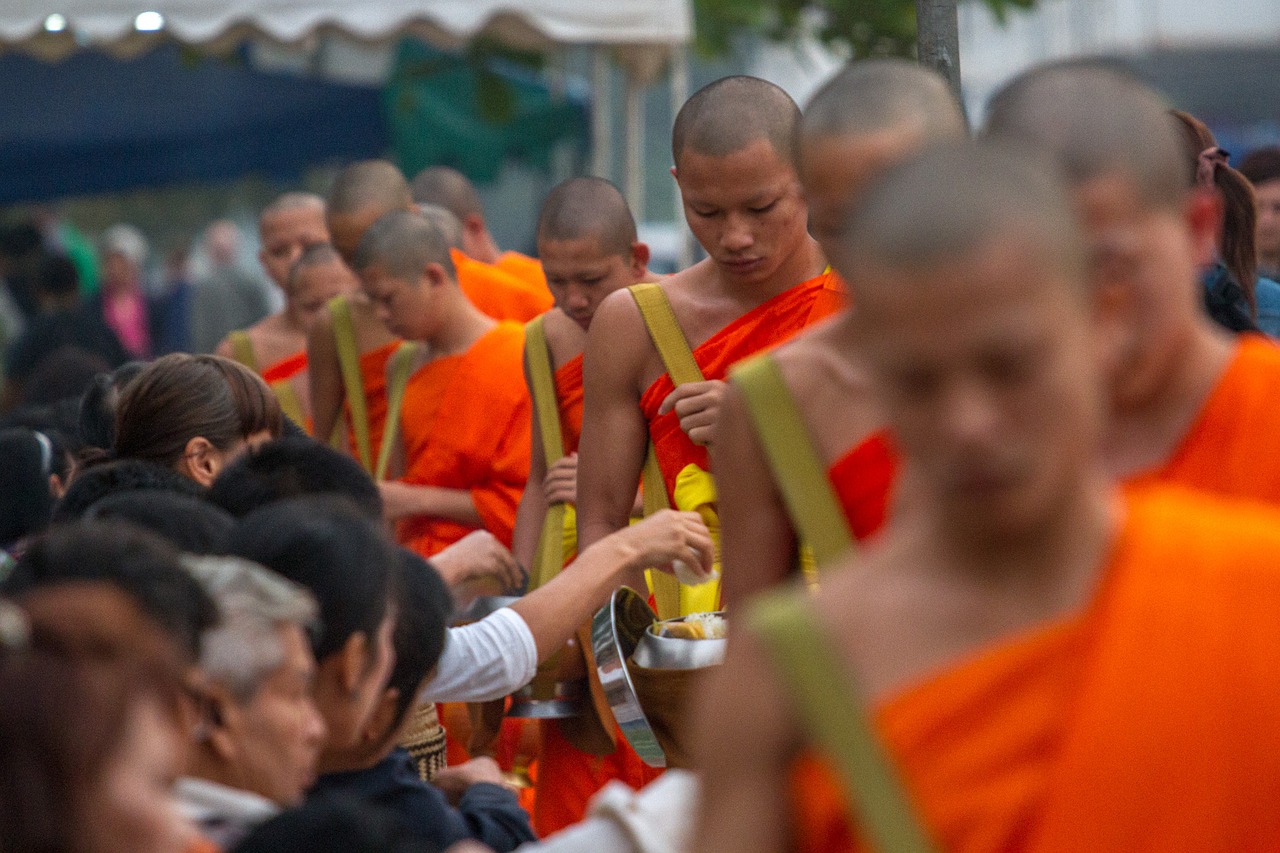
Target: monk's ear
<point x="675" y="174"/>
<point x="639" y="259"/>
<point x="434" y="274"/>
<point x="1203" y="215"/>
<point x="201" y="461"/>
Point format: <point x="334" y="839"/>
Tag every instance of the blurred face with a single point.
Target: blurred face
<point x="118" y="271"/>
<point x="1269" y="221"/>
<point x="580" y="274"/>
<point x="405" y="307"/>
<point x="744" y="208"/>
<point x="346" y="229"/>
<point x="285" y="235"/>
<point x="134" y="808"/>
<point x="278" y="733"/>
<point x="315" y="285"/>
<point x="835" y="170"/>
<point x="990" y="380"/>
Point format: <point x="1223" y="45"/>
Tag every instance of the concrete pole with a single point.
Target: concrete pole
<point x="938" y="39"/>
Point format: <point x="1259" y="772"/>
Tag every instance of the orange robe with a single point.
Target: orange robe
<point x="373" y="376"/>
<point x="863" y="479"/>
<point x="497" y="292"/>
<point x="767" y="325"/>
<point x="1146" y="721"/>
<point x="286" y="368"/>
<point x="568" y="777"/>
<point x="1229" y="450"/>
<point x="465" y="423"/>
<point x="523" y="267"/>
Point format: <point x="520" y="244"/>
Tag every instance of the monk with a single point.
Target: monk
<point x="450" y="189"/>
<point x="765" y="279"/>
<point x="1009" y="644"/>
<point x="465" y="419"/>
<point x="589" y="248"/>
<point x="1192" y="405"/>
<point x="276" y="346"/>
<point x="871" y="115"/>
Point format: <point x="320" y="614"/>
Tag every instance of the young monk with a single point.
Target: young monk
<point x="1192" y="405"/>
<point x="589" y="248"/>
<point x="871" y="115"/>
<point x="465" y="418"/>
<point x="765" y="280"/>
<point x="450" y="189"/>
<point x="276" y="346"/>
<point x="1012" y="639"/>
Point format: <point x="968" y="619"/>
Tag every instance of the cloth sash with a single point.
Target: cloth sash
<point x="344" y="335"/>
<point x="277" y="376"/>
<point x="550" y="557"/>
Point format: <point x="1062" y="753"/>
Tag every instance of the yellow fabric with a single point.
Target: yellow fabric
<point x="695" y="491"/>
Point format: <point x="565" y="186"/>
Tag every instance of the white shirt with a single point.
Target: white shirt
<point x="485" y="660"/>
<point x="224" y="815"/>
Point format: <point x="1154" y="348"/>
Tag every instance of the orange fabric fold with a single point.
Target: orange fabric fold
<point x="286" y="368"/>
<point x="568" y="381"/>
<point x="1228" y="450"/>
<point x="863" y="479"/>
<point x="569" y="778"/>
<point x="497" y="292"/>
<point x="767" y="325"/>
<point x="525" y="268"/>
<point x="1144" y="722"/>
<point x="465" y="425"/>
<point x="373" y="376"/>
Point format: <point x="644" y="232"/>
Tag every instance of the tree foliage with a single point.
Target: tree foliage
<point x="861" y="27"/>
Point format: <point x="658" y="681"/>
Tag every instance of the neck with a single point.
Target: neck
<point x="461" y="325"/>
<point x="204" y="764"/>
<point x="292" y="318"/>
<point x="1148" y="421"/>
<point x="483" y="248"/>
<point x="803" y="264"/>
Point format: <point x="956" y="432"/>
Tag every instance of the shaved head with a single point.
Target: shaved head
<point x="369" y="183"/>
<point x="447" y="188"/>
<point x="884" y="94"/>
<point x="319" y="255"/>
<point x="955" y="199"/>
<point x="588" y="207"/>
<point x="450" y="226"/>
<point x="404" y="243"/>
<point x="1097" y="122"/>
<point x="292" y="201"/>
<point x="728" y="115"/>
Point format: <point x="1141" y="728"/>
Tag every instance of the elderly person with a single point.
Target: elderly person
<point x="260" y="733"/>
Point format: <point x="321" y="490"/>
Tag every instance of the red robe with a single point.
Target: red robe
<point x="373" y="376"/>
<point x="1145" y="721"/>
<point x="465" y="425"/>
<point x="863" y="479"/>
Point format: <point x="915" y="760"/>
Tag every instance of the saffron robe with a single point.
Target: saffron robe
<point x="685" y="467"/>
<point x="465" y="425"/>
<point x="373" y="377"/>
<point x="863" y="479"/>
<point x="1230" y="448"/>
<point x="1145" y="721"/>
<point x="523" y="267"/>
<point x="497" y="292"/>
<point x="568" y="777"/>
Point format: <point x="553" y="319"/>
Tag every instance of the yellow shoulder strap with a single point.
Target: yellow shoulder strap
<point x="806" y="489"/>
<point x="666" y="333"/>
<point x="344" y="335"/>
<point x="242" y="349"/>
<point x="289" y="402"/>
<point x="400" y="370"/>
<point x="549" y="558"/>
<point x="681" y="366"/>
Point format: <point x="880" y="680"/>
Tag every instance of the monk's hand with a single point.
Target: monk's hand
<point x="561" y="483"/>
<point x="454" y="781"/>
<point x="671" y="540"/>
<point x="697" y="405"/>
<point x="478" y="555"/>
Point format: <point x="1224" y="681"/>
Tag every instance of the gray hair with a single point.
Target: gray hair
<point x="244" y="648"/>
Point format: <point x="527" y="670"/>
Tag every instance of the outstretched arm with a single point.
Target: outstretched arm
<point x="758" y="545"/>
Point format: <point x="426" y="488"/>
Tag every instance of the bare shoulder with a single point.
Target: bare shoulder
<point x="618" y="328"/>
<point x="565" y="338"/>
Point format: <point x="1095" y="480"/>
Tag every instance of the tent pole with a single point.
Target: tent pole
<point x="938" y="40"/>
<point x="680" y="94"/>
<point x="635" y="146"/>
<point x="601" y="114"/>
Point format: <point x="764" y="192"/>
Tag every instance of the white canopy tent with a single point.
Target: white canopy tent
<point x="642" y="36"/>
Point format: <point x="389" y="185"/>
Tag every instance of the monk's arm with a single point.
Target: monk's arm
<point x="402" y="500"/>
<point x="758" y="545"/>
<point x="744" y="742"/>
<point x="324" y="377"/>
<point x="614" y="431"/>
<point x="224" y="349"/>
<point x="554" y="610"/>
<point x="533" y="502"/>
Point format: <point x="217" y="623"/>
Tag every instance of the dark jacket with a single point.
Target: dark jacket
<point x="487" y="813"/>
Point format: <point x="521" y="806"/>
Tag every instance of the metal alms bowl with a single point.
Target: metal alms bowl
<point x="616" y="630"/>
<point x="655" y="651"/>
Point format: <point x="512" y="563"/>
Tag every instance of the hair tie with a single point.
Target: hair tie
<point x="1208" y="162"/>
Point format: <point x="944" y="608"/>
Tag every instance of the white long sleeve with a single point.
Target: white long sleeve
<point x="485" y="660"/>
